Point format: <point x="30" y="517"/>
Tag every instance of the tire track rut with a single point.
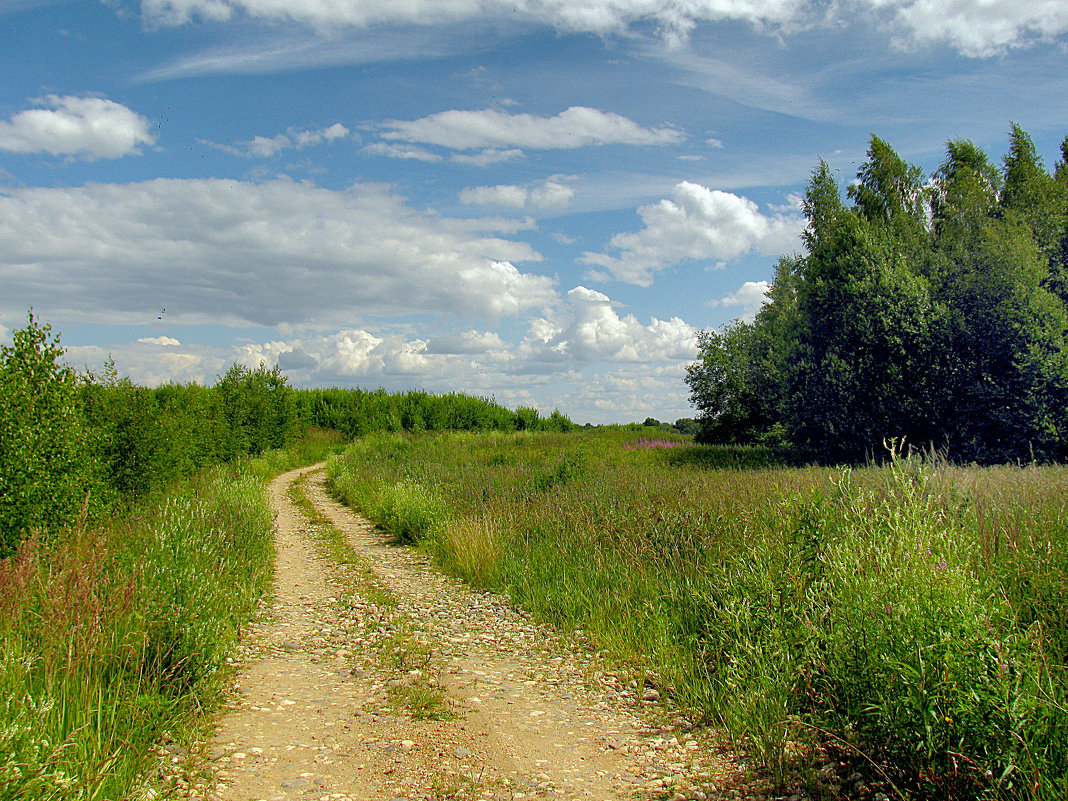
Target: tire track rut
<point x="386" y="679"/>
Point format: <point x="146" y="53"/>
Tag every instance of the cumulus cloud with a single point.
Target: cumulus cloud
<point x="582" y="356"/>
<point x="294" y="138"/>
<point x="86" y="127"/>
<point x="356" y="355"/>
<point x="146" y="364"/>
<point x="481" y="343"/>
<point x="630" y="392"/>
<point x="238" y="252"/>
<point x="976" y="28"/>
<point x="589" y="329"/>
<point x="696" y="224"/>
<point x="163" y="342"/>
<point x="585" y="329"/>
<point x="750" y="296"/>
<point x="514" y="197"/>
<point x="578" y="126"/>
<point x="548" y="194"/>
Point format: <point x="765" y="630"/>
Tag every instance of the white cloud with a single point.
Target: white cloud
<point x="401" y="152"/>
<point x="265" y="147"/>
<point x="488" y="157"/>
<point x="582" y="356"/>
<point x="513" y="197"/>
<point x="697" y="223"/>
<point x="750" y="296"/>
<point x="630" y="393"/>
<point x="163" y="342"/>
<point x="355" y="355"/>
<point x="578" y="126"/>
<point x="237" y="252"/>
<point x="590" y="330"/>
<point x="551" y="195"/>
<point x="294" y="138"/>
<point x="481" y="343"/>
<point x="674" y="18"/>
<point x="145" y="364"/>
<point x="976" y="28"/>
<point x="548" y="194"/>
<point x="89" y="127"/>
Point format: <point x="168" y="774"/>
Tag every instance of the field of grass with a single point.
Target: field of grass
<point x="911" y="619"/>
<point x="113" y="637"/>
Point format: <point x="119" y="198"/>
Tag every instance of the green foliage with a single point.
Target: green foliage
<point x="405" y="508"/>
<point x="356" y="412"/>
<point x="47" y="479"/>
<point x="861" y="361"/>
<point x="929" y="310"/>
<point x="111" y="636"/>
<point x="258" y="408"/>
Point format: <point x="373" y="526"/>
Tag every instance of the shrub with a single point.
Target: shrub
<point x="47" y="478"/>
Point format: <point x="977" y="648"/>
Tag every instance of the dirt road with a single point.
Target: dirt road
<point x="376" y="677"/>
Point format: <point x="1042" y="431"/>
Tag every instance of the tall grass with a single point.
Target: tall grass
<point x="111" y="636"/>
<point x="910" y="617"/>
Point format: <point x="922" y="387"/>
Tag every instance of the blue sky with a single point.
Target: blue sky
<point x="538" y="201"/>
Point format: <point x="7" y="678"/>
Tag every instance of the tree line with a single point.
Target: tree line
<point x="78" y="446"/>
<point x="927" y="309"/>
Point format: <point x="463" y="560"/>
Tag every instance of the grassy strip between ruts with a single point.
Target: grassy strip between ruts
<point x="115" y="637"/>
<point x="908" y="618"/>
<point x="398" y="651"/>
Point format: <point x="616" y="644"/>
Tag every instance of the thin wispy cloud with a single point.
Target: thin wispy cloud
<point x="577" y="126"/>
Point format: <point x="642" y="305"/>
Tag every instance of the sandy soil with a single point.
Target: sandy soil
<point x="384" y="679"/>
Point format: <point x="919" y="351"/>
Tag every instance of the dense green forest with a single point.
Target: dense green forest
<point x="926" y="309"/>
<point x="76" y="447"/>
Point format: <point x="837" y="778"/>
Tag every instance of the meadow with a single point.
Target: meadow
<point x="905" y="620"/>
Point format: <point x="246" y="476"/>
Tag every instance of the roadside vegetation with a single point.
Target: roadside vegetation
<point x="135" y="545"/>
<point x="115" y="636"/>
<point x="908" y="620"/>
<point x="85" y="447"/>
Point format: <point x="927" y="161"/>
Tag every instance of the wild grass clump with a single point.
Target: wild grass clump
<point x="910" y="618"/>
<point x="112" y="636"/>
<point x="406" y="508"/>
<point x="863" y="616"/>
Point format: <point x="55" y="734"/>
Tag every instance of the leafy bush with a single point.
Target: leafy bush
<point x="47" y="478"/>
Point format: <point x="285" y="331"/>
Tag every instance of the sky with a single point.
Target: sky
<point x="535" y="201"/>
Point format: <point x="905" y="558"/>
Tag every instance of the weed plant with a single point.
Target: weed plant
<point x="909" y="618"/>
<point x="113" y="636"/>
